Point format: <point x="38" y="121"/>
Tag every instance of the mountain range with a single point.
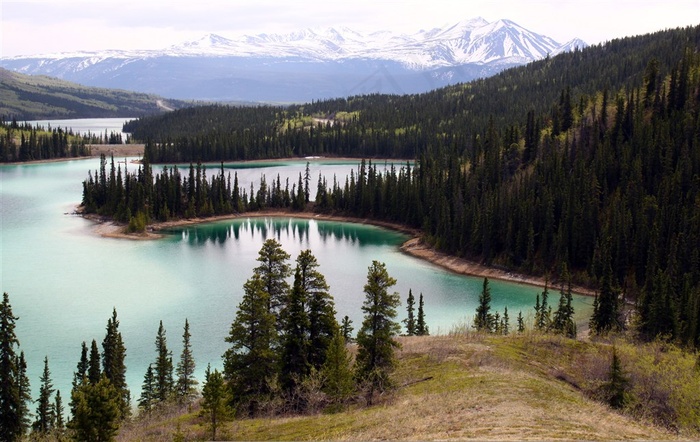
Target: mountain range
<point x="305" y="65"/>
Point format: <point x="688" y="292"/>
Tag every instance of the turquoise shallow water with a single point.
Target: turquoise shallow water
<point x="64" y="280"/>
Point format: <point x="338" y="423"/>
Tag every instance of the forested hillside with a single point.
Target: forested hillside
<point x="27" y="97"/>
<point x="587" y="161"/>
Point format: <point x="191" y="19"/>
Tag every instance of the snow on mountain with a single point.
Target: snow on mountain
<point x="468" y="41"/>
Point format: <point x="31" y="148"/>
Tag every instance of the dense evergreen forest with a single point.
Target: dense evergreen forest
<point x="26" y="142"/>
<point x="588" y="160"/>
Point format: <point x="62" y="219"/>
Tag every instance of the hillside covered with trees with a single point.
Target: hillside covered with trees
<point x="587" y="161"/>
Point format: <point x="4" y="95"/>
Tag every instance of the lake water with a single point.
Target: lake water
<point x="84" y="126"/>
<point x="64" y="280"/>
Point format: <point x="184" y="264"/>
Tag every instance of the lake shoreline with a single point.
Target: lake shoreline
<point x="414" y="246"/>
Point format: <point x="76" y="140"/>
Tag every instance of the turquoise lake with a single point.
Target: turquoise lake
<point x="64" y="280"/>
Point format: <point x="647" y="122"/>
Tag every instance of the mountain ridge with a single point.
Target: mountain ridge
<point x="307" y="64"/>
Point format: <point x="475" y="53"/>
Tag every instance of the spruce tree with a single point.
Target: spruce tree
<point x="375" y="341"/>
<point x="294" y="358"/>
<point x="618" y="383"/>
<point x="410" y="320"/>
<point x="94" y="371"/>
<point x="484" y="321"/>
<point x="563" y="320"/>
<point x="163" y="368"/>
<point x="521" y="322"/>
<point x="337" y="370"/>
<point x="45" y="414"/>
<point x="59" y="425"/>
<point x="24" y="394"/>
<point x="214" y="400"/>
<point x="10" y="417"/>
<point x="147" y="400"/>
<point x="606" y="306"/>
<point x="273" y="272"/>
<point x="346" y="329"/>
<point x="250" y="363"/>
<point x="96" y="416"/>
<point x="186" y="386"/>
<point x="113" y="362"/>
<point x="421" y="325"/>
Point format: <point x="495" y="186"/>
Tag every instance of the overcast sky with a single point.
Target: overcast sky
<point x="46" y="26"/>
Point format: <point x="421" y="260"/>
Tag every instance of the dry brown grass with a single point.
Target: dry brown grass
<point x="466" y="386"/>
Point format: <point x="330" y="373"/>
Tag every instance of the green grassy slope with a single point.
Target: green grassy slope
<point x="28" y="97"/>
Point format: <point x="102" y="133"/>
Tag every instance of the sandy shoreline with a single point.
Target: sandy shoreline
<point x="414" y="246"/>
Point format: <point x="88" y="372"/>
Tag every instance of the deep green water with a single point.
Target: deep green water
<point x="64" y="280"/>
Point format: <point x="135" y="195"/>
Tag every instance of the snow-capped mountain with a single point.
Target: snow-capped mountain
<point x="311" y="63"/>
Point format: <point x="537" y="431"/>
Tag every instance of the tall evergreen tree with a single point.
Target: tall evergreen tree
<point x="484" y="321"/>
<point x="294" y="358"/>
<point x="94" y="371"/>
<point x="59" y="424"/>
<point x="606" y="306"/>
<point x="375" y="341"/>
<point x="96" y="416"/>
<point x="346" y="329"/>
<point x="618" y="383"/>
<point x="214" y="400"/>
<point x="563" y="320"/>
<point x="45" y="413"/>
<point x="421" y="325"/>
<point x="273" y="272"/>
<point x="337" y="373"/>
<point x="148" y="400"/>
<point x="113" y="362"/>
<point x="410" y="320"/>
<point x="250" y="363"/>
<point x="24" y="394"/>
<point x="186" y="386"/>
<point x="521" y="322"/>
<point x="163" y="368"/>
<point x="10" y="415"/>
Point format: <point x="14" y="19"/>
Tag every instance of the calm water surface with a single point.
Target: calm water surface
<point x="64" y="280"/>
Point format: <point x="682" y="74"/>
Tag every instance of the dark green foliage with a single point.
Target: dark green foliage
<point x="215" y="400"/>
<point x="421" y="325"/>
<point x="273" y="271"/>
<point x="410" y="320"/>
<point x="294" y="358"/>
<point x="38" y="143"/>
<point x="346" y="329"/>
<point x="147" y="400"/>
<point x="94" y="372"/>
<point x="606" y="307"/>
<point x="45" y="413"/>
<point x="186" y="385"/>
<point x="543" y="312"/>
<point x="563" y="320"/>
<point x="375" y="359"/>
<point x="10" y="406"/>
<point x="96" y="413"/>
<point x="113" y="362"/>
<point x="617" y="386"/>
<point x="250" y="364"/>
<point x="521" y="322"/>
<point x="337" y="372"/>
<point x="484" y="321"/>
<point x="24" y="394"/>
<point x="163" y="386"/>
<point x="59" y="423"/>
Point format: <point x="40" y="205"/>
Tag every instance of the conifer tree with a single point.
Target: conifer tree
<point x="484" y="321"/>
<point x="376" y="344"/>
<point x="147" y="400"/>
<point x="505" y="322"/>
<point x="410" y="320"/>
<point x="563" y="321"/>
<point x="96" y="416"/>
<point x="543" y="312"/>
<point x="421" y="325"/>
<point x="45" y="417"/>
<point x="214" y="400"/>
<point x="294" y="359"/>
<point x="605" y="316"/>
<point x="94" y="371"/>
<point x="618" y="383"/>
<point x="337" y="370"/>
<point x="273" y="272"/>
<point x="521" y="322"/>
<point x="186" y="386"/>
<point x="10" y="413"/>
<point x="162" y="368"/>
<point x="113" y="362"/>
<point x="59" y="425"/>
<point x="346" y="329"/>
<point x="23" y="393"/>
<point x="250" y="363"/>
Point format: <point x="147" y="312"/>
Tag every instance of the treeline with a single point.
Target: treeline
<point x="24" y="142"/>
<point x="288" y="354"/>
<point x="391" y="126"/>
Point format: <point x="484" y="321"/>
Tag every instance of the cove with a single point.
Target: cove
<point x="64" y="280"/>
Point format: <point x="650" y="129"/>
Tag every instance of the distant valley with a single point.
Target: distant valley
<point x="305" y="65"/>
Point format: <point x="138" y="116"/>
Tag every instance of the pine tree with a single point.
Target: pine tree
<point x="563" y="321"/>
<point x="294" y="359"/>
<point x="60" y="424"/>
<point x="376" y="344"/>
<point x="505" y="322"/>
<point x="113" y="362"/>
<point x="24" y="394"/>
<point x="421" y="326"/>
<point x="45" y="417"/>
<point x="163" y="368"/>
<point x="484" y="321"/>
<point x="618" y="383"/>
<point x="94" y="372"/>
<point x="214" y="400"/>
<point x="410" y="320"/>
<point x="337" y="370"/>
<point x="606" y="306"/>
<point x="543" y="312"/>
<point x="346" y="329"/>
<point x="148" y="400"/>
<point x="186" y="386"/>
<point x="521" y="322"/>
<point x="273" y="272"/>
<point x="10" y="413"/>
<point x="96" y="416"/>
<point x="250" y="363"/>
